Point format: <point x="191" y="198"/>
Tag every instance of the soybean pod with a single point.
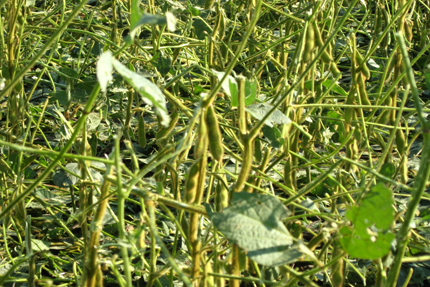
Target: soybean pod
<point x="141" y="131"/>
<point x="309" y="41"/>
<point x="192" y="181"/>
<point x="214" y="134"/>
<point x="363" y="92"/>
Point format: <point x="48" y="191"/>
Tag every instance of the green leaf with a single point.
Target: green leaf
<point x="365" y="247"/>
<point x="201" y="28"/>
<point x="163" y="65"/>
<point x="258" y="111"/>
<point x="229" y="86"/>
<point x="135" y="14"/>
<point x="150" y="92"/>
<point x="336" y="87"/>
<point x="376" y="209"/>
<point x="62" y="178"/>
<point x="68" y="73"/>
<point x="250" y="92"/>
<point x="193" y="11"/>
<point x="388" y="169"/>
<point x="39" y="245"/>
<point x="138" y="18"/>
<point x="370" y="238"/>
<point x="254" y="223"/>
<point x="273" y="134"/>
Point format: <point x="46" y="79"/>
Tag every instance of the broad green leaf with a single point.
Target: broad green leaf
<point x="274" y="135"/>
<point x="39" y="245"/>
<point x="68" y="73"/>
<point x="138" y="18"/>
<point x="254" y="223"/>
<point x="229" y="85"/>
<point x="201" y="28"/>
<point x="29" y="3"/>
<point x="370" y="237"/>
<point x="104" y="70"/>
<point x="372" y="64"/>
<point x="135" y="14"/>
<point x="193" y="11"/>
<point x="93" y="121"/>
<point x="151" y="20"/>
<point x="336" y="87"/>
<point x="250" y="93"/>
<point x="376" y="209"/>
<point x="63" y="178"/>
<point x="365" y="247"/>
<point x="258" y="111"/>
<point x="150" y="92"/>
<point x="163" y="65"/>
<point x="388" y="169"/>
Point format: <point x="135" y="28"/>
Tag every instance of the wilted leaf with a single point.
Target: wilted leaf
<point x="93" y="121"/>
<point x="258" y="111"/>
<point x="171" y="21"/>
<point x="254" y="223"/>
<point x="150" y="92"/>
<point x="104" y="70"/>
<point x="372" y="64"/>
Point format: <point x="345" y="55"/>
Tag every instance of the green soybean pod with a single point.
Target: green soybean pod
<point x="384" y="117"/>
<point x="349" y="112"/>
<point x="202" y="137"/>
<point x="401" y="142"/>
<point x="288" y="173"/>
<point x="309" y="44"/>
<point x="221" y="196"/>
<point x="334" y="69"/>
<point x="209" y="4"/>
<point x="363" y="92"/>
<point x="221" y="31"/>
<point x="257" y="150"/>
<point x="141" y="131"/>
<point x="408" y="31"/>
<point x="403" y="169"/>
<point x="378" y="23"/>
<point x="214" y="134"/>
<point x="357" y="134"/>
<point x="192" y="182"/>
<point x="387" y="38"/>
<point x="319" y="41"/>
<point x="363" y="67"/>
<point x="318" y="37"/>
